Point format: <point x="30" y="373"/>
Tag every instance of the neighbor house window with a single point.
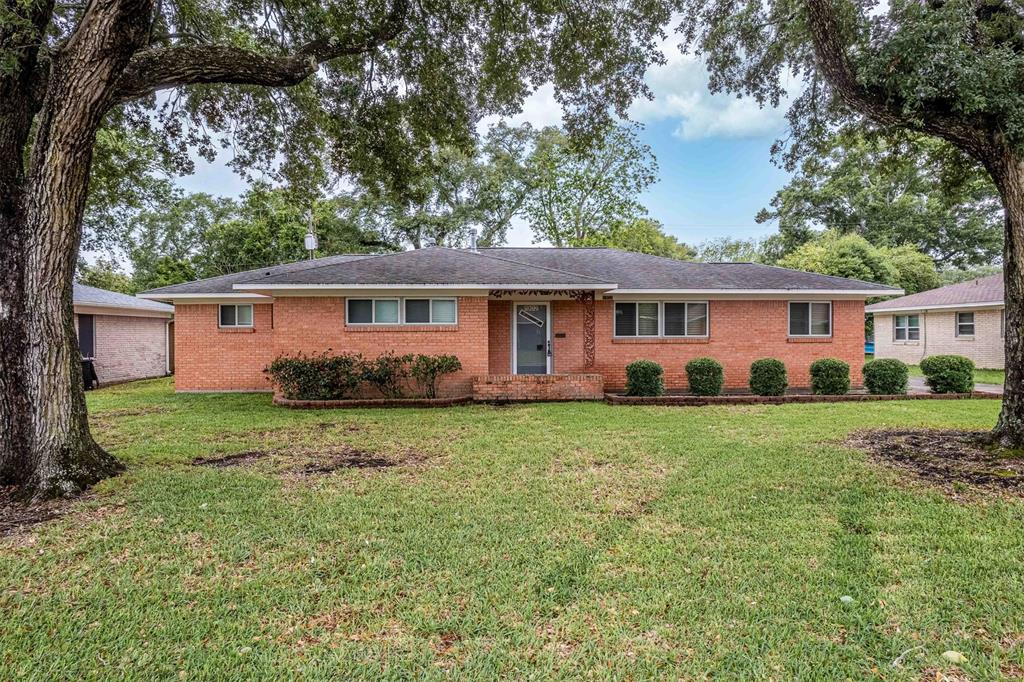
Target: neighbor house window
<point x="810" y="318"/>
<point x="657" y="318"/>
<point x="236" y="315"/>
<point x="907" y="328"/>
<point x="402" y="311"/>
<point x="965" y="324"/>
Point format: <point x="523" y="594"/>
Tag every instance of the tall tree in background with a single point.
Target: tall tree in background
<point x="891" y="190"/>
<point x="578" y="193"/>
<point x="361" y="89"/>
<point x="641" y="235"/>
<point x="948" y="69"/>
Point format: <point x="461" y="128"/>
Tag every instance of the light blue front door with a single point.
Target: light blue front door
<point x="531" y="329"/>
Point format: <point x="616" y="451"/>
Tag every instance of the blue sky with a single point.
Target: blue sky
<point x="713" y="153"/>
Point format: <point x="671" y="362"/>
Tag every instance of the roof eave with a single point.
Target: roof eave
<point x="938" y="306"/>
<point x="429" y="287"/>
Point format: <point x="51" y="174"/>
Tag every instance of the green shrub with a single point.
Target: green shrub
<point x="768" y="377"/>
<point x="705" y="376"/>
<point x="887" y="376"/>
<point x="428" y="369"/>
<point x="316" y="377"/>
<point x="644" y="377"/>
<point x="830" y="376"/>
<point x="948" y="373"/>
<point x="387" y="373"/>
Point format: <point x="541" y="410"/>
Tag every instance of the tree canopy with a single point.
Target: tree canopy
<point x="641" y="235"/>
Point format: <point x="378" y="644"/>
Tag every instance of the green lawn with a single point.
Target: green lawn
<point x="536" y="541"/>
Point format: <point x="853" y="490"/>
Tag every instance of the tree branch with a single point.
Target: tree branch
<point x="159" y="68"/>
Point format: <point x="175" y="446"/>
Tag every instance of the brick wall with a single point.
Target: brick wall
<point x="499" y="336"/>
<point x="502" y="387"/>
<point x="938" y="337"/>
<point x="209" y="358"/>
<point x="129" y="347"/>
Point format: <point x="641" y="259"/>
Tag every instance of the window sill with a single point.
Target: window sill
<point x="809" y="339"/>
<point x="906" y="343"/>
<point x="965" y="338"/>
<point x="388" y="328"/>
<point x="236" y="330"/>
<point x="661" y="339"/>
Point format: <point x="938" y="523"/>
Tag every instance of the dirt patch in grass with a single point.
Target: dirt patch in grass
<point x="342" y="458"/>
<point x="950" y="459"/>
<point x="16" y="516"/>
<point x="310" y="462"/>
<point x="236" y="460"/>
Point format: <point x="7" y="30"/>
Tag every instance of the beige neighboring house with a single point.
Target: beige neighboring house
<point x="127" y="338"/>
<point x="961" y="319"/>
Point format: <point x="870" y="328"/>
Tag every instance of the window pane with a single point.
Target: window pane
<point x="360" y="311"/>
<point x="675" y="319"/>
<point x="696" y="319"/>
<point x="913" y="321"/>
<point x="900" y="333"/>
<point x="385" y="312"/>
<point x="417" y="311"/>
<point x="965" y="324"/>
<point x="821" y="319"/>
<point x="799" y="319"/>
<point x="647" y="324"/>
<point x="914" y="334"/>
<point x="625" y="319"/>
<point x="444" y="311"/>
<point x="227" y="316"/>
<point x="243" y="315"/>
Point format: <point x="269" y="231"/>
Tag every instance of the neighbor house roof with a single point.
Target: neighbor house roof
<point x="977" y="292"/>
<point x="509" y="268"/>
<point x="84" y="295"/>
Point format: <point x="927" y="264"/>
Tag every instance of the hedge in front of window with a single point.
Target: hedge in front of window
<point x="705" y="376"/>
<point x="317" y="377"/>
<point x="768" y="377"/>
<point x="644" y="377"/>
<point x="830" y="376"/>
<point x="948" y="373"/>
<point x="886" y="376"/>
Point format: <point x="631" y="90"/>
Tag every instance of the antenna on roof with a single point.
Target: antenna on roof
<point x="472" y="240"/>
<point x="311" y="241"/>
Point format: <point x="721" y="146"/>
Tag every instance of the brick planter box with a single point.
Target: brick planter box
<point x="697" y="400"/>
<point x="537" y="387"/>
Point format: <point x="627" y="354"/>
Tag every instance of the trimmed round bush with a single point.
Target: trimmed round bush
<point x="948" y="373"/>
<point x="705" y="376"/>
<point x="886" y="376"/>
<point x="768" y="377"/>
<point x="644" y="377"/>
<point x="830" y="376"/>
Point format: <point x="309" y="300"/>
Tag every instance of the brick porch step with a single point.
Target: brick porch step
<point x="540" y="387"/>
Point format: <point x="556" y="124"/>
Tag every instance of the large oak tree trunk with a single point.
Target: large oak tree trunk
<point x="1009" y="178"/>
<point x="46" y="449"/>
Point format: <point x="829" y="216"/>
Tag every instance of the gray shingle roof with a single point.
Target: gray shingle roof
<point x="86" y="295"/>
<point x="512" y="267"/>
<point x="984" y="290"/>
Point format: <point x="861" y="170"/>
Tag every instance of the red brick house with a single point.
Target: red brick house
<point x="525" y="322"/>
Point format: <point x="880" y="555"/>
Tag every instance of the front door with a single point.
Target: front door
<point x="532" y="346"/>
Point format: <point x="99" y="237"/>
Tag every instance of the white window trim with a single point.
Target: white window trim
<point x="973" y="323"/>
<point x="236" y="306"/>
<point x="810" y="321"/>
<point x="661" y="321"/>
<point x="401" y="311"/>
<point x="907" y="328"/>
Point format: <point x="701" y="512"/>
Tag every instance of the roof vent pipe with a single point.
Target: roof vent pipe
<point x="472" y="241"/>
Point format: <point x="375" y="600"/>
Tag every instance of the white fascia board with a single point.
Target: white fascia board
<point x="124" y="310"/>
<point x="945" y="306"/>
<point x="428" y="287"/>
<point x="758" y="292"/>
<point x="200" y="298"/>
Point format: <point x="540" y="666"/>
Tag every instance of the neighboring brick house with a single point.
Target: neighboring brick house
<point x="961" y="319"/>
<point x="127" y="338"/>
<point x="578" y="316"/>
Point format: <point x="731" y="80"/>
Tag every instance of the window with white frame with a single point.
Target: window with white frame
<point x="810" y="318"/>
<point x="965" y="324"/>
<point x="236" y="315"/>
<point x="907" y="328"/>
<point x="402" y="311"/>
<point x="661" y="318"/>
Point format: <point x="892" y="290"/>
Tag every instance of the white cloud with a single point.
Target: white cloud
<point x="680" y="88"/>
<point x="540" y="109"/>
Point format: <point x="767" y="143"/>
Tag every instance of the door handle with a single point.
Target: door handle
<point x="549" y="347"/>
<point x="540" y="346"/>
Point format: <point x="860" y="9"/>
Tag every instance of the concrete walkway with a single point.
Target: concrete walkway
<point x="917" y="385"/>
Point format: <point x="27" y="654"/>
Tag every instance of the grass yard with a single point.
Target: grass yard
<point x="536" y="541"/>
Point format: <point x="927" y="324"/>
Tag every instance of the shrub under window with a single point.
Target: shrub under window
<point x="830" y="376"/>
<point x="644" y="378"/>
<point x="948" y="373"/>
<point x="886" y="376"/>
<point x="317" y="377"/>
<point x="768" y="377"/>
<point x="705" y="376"/>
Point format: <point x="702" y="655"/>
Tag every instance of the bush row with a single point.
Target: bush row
<point x="336" y="377"/>
<point x="829" y="376"/>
